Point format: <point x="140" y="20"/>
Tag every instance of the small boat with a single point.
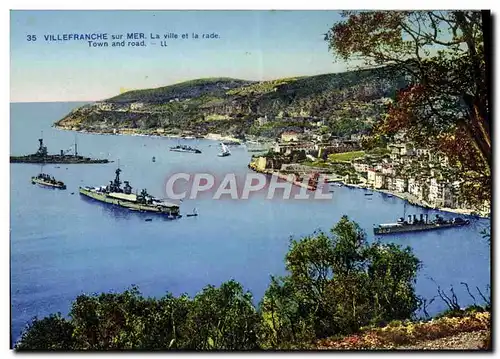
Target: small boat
<point x="154" y="159"/>
<point x="148" y="219"/>
<point x="390" y="196"/>
<point x="48" y="181"/>
<point x="225" y="150"/>
<point x="194" y="214"/>
<point x="368" y="194"/>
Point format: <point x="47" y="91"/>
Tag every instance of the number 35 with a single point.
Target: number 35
<point x="31" y="38"/>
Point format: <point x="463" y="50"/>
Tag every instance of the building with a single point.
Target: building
<point x="289" y="136"/>
<point x="375" y="178"/>
<point x="390" y="183"/>
<point x="136" y="105"/>
<point x="379" y="181"/>
<point x="402" y="149"/>
<point x="360" y="167"/>
<point x="387" y="169"/>
<point x="400" y="184"/>
<point x="262" y="120"/>
<point x="260" y="163"/>
<point x="417" y="188"/>
<point x="287" y="148"/>
<point x="104" y="106"/>
<point x="443" y="193"/>
<point x="422" y="152"/>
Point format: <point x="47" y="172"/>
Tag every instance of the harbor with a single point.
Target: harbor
<point x="90" y="246"/>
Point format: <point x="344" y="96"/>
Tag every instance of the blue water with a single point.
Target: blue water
<point x="63" y="245"/>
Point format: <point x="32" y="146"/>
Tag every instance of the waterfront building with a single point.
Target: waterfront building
<point x="387" y="169"/>
<point x="443" y="193"/>
<point x="289" y="136"/>
<point x="401" y="184"/>
<point x="360" y="167"/>
<point x="287" y="148"/>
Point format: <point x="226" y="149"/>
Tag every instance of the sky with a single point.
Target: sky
<point x="253" y="45"/>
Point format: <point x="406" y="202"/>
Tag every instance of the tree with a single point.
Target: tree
<point x="50" y="333"/>
<point x="222" y="318"/>
<point x="337" y="284"/>
<point x="446" y="101"/>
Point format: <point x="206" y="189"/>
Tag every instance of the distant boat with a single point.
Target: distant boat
<point x="185" y="148"/>
<point x="154" y="159"/>
<point x="368" y="194"/>
<point x="225" y="151"/>
<point x="194" y="214"/>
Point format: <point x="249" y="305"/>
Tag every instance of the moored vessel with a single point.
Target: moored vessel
<point x="42" y="157"/>
<point x="47" y="181"/>
<point x="416" y="225"/>
<point x="123" y="197"/>
<point x="184" y="148"/>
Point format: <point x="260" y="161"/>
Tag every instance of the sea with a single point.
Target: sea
<point x="63" y="245"/>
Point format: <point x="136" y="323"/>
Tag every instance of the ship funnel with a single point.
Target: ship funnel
<point x="421" y="218"/>
<point x="409" y="219"/>
<point x="426" y="218"/>
<point x="62" y="153"/>
<point x="414" y="218"/>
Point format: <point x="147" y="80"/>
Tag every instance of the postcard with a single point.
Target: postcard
<point x="250" y="180"/>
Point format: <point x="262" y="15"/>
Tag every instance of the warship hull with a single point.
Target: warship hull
<point x="416" y="227"/>
<point x="55" y="159"/>
<point x="103" y="197"/>
<point x="39" y="181"/>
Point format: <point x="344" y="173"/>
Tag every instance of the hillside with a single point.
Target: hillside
<point x="347" y="102"/>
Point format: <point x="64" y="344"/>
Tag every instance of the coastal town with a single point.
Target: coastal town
<point x="399" y="168"/>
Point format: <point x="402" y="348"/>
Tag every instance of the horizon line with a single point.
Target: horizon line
<point x="194" y="79"/>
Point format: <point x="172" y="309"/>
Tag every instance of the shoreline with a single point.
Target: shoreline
<point x="208" y="136"/>
<point x="418" y="203"/>
<point x="283" y="177"/>
<point x="218" y="137"/>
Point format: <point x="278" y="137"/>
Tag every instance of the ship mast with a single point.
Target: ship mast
<point x="76" y="147"/>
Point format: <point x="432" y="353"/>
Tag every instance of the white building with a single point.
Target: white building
<point x="136" y="105"/>
<point x="104" y="106"/>
<point x="387" y="169"/>
<point x="262" y="120"/>
<point x="360" y="167"/>
<point x="416" y="188"/>
<point x="289" y="136"/>
<point x="400" y="185"/>
<point x="443" y="193"/>
<point x="422" y="151"/>
<point x="375" y="178"/>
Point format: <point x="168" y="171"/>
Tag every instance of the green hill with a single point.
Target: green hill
<point x="347" y="102"/>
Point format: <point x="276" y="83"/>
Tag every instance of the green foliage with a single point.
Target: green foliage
<point x="346" y="156"/>
<point x="222" y="318"/>
<point x="50" y="333"/>
<point x="189" y="105"/>
<point x="339" y="283"/>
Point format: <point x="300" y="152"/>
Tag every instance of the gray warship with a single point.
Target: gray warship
<point x="42" y="157"/>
